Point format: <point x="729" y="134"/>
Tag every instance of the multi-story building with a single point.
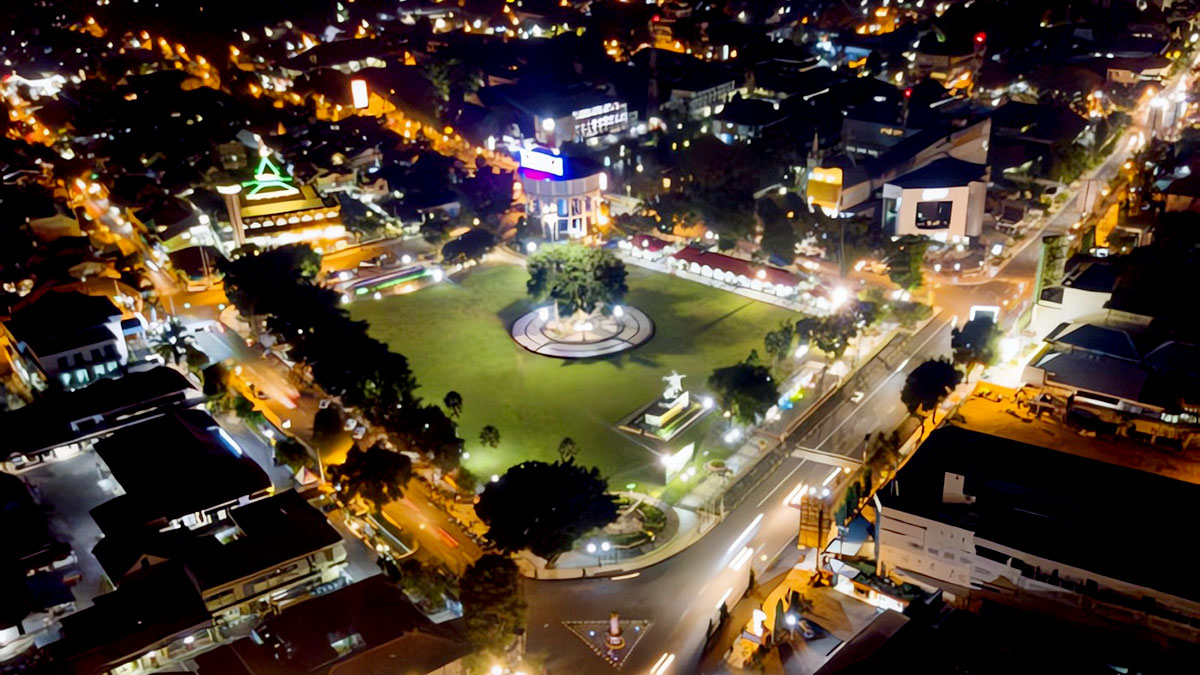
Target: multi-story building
<point x="62" y="426"/>
<point x="71" y="337"/>
<point x="564" y="195"/>
<point x="272" y="210"/>
<point x="182" y="592"/>
<point x="1036" y="517"/>
<point x="943" y="200"/>
<point x="221" y="476"/>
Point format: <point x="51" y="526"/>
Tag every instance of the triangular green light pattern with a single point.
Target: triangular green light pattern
<point x="269" y="181"/>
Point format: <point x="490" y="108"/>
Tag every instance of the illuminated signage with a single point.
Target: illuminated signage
<point x="358" y="92"/>
<point x="268" y="181"/>
<point x="542" y="161"/>
<point x="600" y="119"/>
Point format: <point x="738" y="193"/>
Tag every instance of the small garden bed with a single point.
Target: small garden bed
<point x="641" y="526"/>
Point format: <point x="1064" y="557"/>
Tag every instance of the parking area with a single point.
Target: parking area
<point x="74" y="487"/>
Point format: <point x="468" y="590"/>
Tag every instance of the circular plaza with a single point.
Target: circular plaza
<point x="597" y="335"/>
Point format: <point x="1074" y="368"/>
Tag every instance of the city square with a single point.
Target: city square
<point x="535" y="401"/>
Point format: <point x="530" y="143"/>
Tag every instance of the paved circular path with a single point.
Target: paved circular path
<point x="613" y="335"/>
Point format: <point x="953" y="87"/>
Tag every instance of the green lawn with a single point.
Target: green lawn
<point x="455" y="336"/>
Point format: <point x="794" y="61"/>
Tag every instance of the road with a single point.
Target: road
<point x="682" y="594"/>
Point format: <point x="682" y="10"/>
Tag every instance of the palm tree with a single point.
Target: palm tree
<point x="567" y="449"/>
<point x="489" y="436"/>
<point x="454" y="403"/>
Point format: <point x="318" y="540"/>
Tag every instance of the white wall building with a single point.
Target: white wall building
<point x="1003" y="523"/>
<point x="944" y="200"/>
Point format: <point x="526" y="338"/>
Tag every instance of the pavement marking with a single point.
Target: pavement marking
<point x="881" y="385"/>
<point x="724" y="597"/>
<point x="746" y="533"/>
<point x="740" y="559"/>
<point x="785" y="478"/>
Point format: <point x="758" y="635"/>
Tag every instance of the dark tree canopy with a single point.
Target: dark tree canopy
<point x="928" y="385"/>
<point x="545" y="507"/>
<point x="493" y="609"/>
<point x="976" y="342"/>
<point x="577" y="277"/>
<point x="905" y="261"/>
<point x="377" y="474"/>
<point x="746" y="390"/>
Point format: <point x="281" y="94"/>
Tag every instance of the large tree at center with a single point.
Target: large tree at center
<point x="545" y="507"/>
<point x="576" y="277"/>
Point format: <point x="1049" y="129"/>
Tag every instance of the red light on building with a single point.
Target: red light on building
<point x="980" y="38"/>
<point x="908" y="93"/>
<point x="655" y="18"/>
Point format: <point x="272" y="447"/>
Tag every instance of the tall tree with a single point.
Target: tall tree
<point x="376" y="475"/>
<point x="493" y="609"/>
<point x="928" y="385"/>
<point x="577" y="277"/>
<point x="976" y="343"/>
<point x="746" y="390"/>
<point x="545" y="507"/>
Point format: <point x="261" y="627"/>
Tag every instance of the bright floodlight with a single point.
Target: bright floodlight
<point x="604" y="546"/>
<point x="706" y="402"/>
<point x="790" y="619"/>
<point x="531" y="247"/>
<point x="839" y="297"/>
<point x="438" y="275"/>
<point x="591" y="548"/>
<point x="406" y="258"/>
<point x="618" y="311"/>
<point x="495" y="478"/>
<point x="548" y="124"/>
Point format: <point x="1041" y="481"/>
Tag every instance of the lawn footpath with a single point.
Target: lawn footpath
<point x="455" y="335"/>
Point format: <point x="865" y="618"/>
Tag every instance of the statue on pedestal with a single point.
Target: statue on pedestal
<point x="674" y="385"/>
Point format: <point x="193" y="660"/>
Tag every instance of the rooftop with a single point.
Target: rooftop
<point x="1056" y="505"/>
<point x="1098" y="339"/>
<point x="947" y="172"/>
<point x="60" y="418"/>
<point x="744" y="268"/>
<point x="375" y="610"/>
<point x="60" y="321"/>
<point x="269" y="533"/>
<point x="159" y="605"/>
<point x="1095" y="373"/>
<point x="147" y="460"/>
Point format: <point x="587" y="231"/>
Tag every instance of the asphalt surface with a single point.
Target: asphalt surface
<point x="682" y="594"/>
